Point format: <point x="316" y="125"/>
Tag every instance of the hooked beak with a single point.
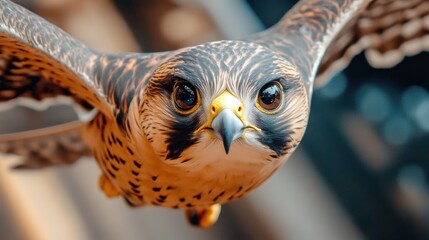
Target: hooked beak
<point x="228" y="127"/>
<point x="226" y="119"/>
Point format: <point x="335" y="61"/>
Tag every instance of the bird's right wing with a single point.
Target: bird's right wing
<point x="60" y="144"/>
<point x="41" y="65"/>
<point x="39" y="61"/>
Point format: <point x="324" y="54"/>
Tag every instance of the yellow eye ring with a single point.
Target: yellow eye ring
<point x="270" y="98"/>
<point x="185" y="97"/>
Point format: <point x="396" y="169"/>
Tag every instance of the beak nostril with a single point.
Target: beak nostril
<point x="213" y="109"/>
<point x="239" y="109"/>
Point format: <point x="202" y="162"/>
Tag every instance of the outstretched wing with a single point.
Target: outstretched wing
<point x="386" y="30"/>
<point x="39" y="61"/>
<point x="304" y="33"/>
<point x="60" y="144"/>
<point x="41" y="65"/>
<point x="322" y="36"/>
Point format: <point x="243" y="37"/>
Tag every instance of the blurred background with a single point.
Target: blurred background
<point x="361" y="171"/>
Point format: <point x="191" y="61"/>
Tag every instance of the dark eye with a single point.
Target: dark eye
<point x="185" y="96"/>
<point x="270" y="96"/>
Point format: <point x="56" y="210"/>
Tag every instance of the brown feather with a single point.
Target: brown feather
<point x="387" y="31"/>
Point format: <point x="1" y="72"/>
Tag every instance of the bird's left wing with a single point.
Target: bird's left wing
<point x="39" y="61"/>
<point x="322" y="36"/>
<point x="305" y="31"/>
<point x="387" y="31"/>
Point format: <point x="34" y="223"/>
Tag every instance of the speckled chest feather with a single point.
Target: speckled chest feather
<point x="143" y="179"/>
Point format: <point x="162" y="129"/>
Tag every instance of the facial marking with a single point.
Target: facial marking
<point x="180" y="137"/>
<point x="241" y="69"/>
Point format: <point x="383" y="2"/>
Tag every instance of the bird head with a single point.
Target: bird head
<point x="229" y="102"/>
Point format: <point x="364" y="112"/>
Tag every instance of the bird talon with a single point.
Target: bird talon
<point x="203" y="217"/>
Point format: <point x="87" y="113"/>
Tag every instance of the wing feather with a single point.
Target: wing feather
<point x="39" y="60"/>
<point x="56" y="145"/>
<point x="321" y="37"/>
<point x="387" y="31"/>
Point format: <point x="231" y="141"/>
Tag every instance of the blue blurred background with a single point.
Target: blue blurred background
<point x="361" y="171"/>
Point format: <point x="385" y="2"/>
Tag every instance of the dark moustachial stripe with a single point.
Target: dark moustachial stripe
<point x="274" y="136"/>
<point x="182" y="136"/>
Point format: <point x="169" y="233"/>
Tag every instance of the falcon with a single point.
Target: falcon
<point x="200" y="126"/>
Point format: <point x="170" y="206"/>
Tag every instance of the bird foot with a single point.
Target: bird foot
<point x="107" y="187"/>
<point x="203" y="217"/>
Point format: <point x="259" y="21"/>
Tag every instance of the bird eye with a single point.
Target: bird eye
<point x="269" y="97"/>
<point x="185" y="97"/>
